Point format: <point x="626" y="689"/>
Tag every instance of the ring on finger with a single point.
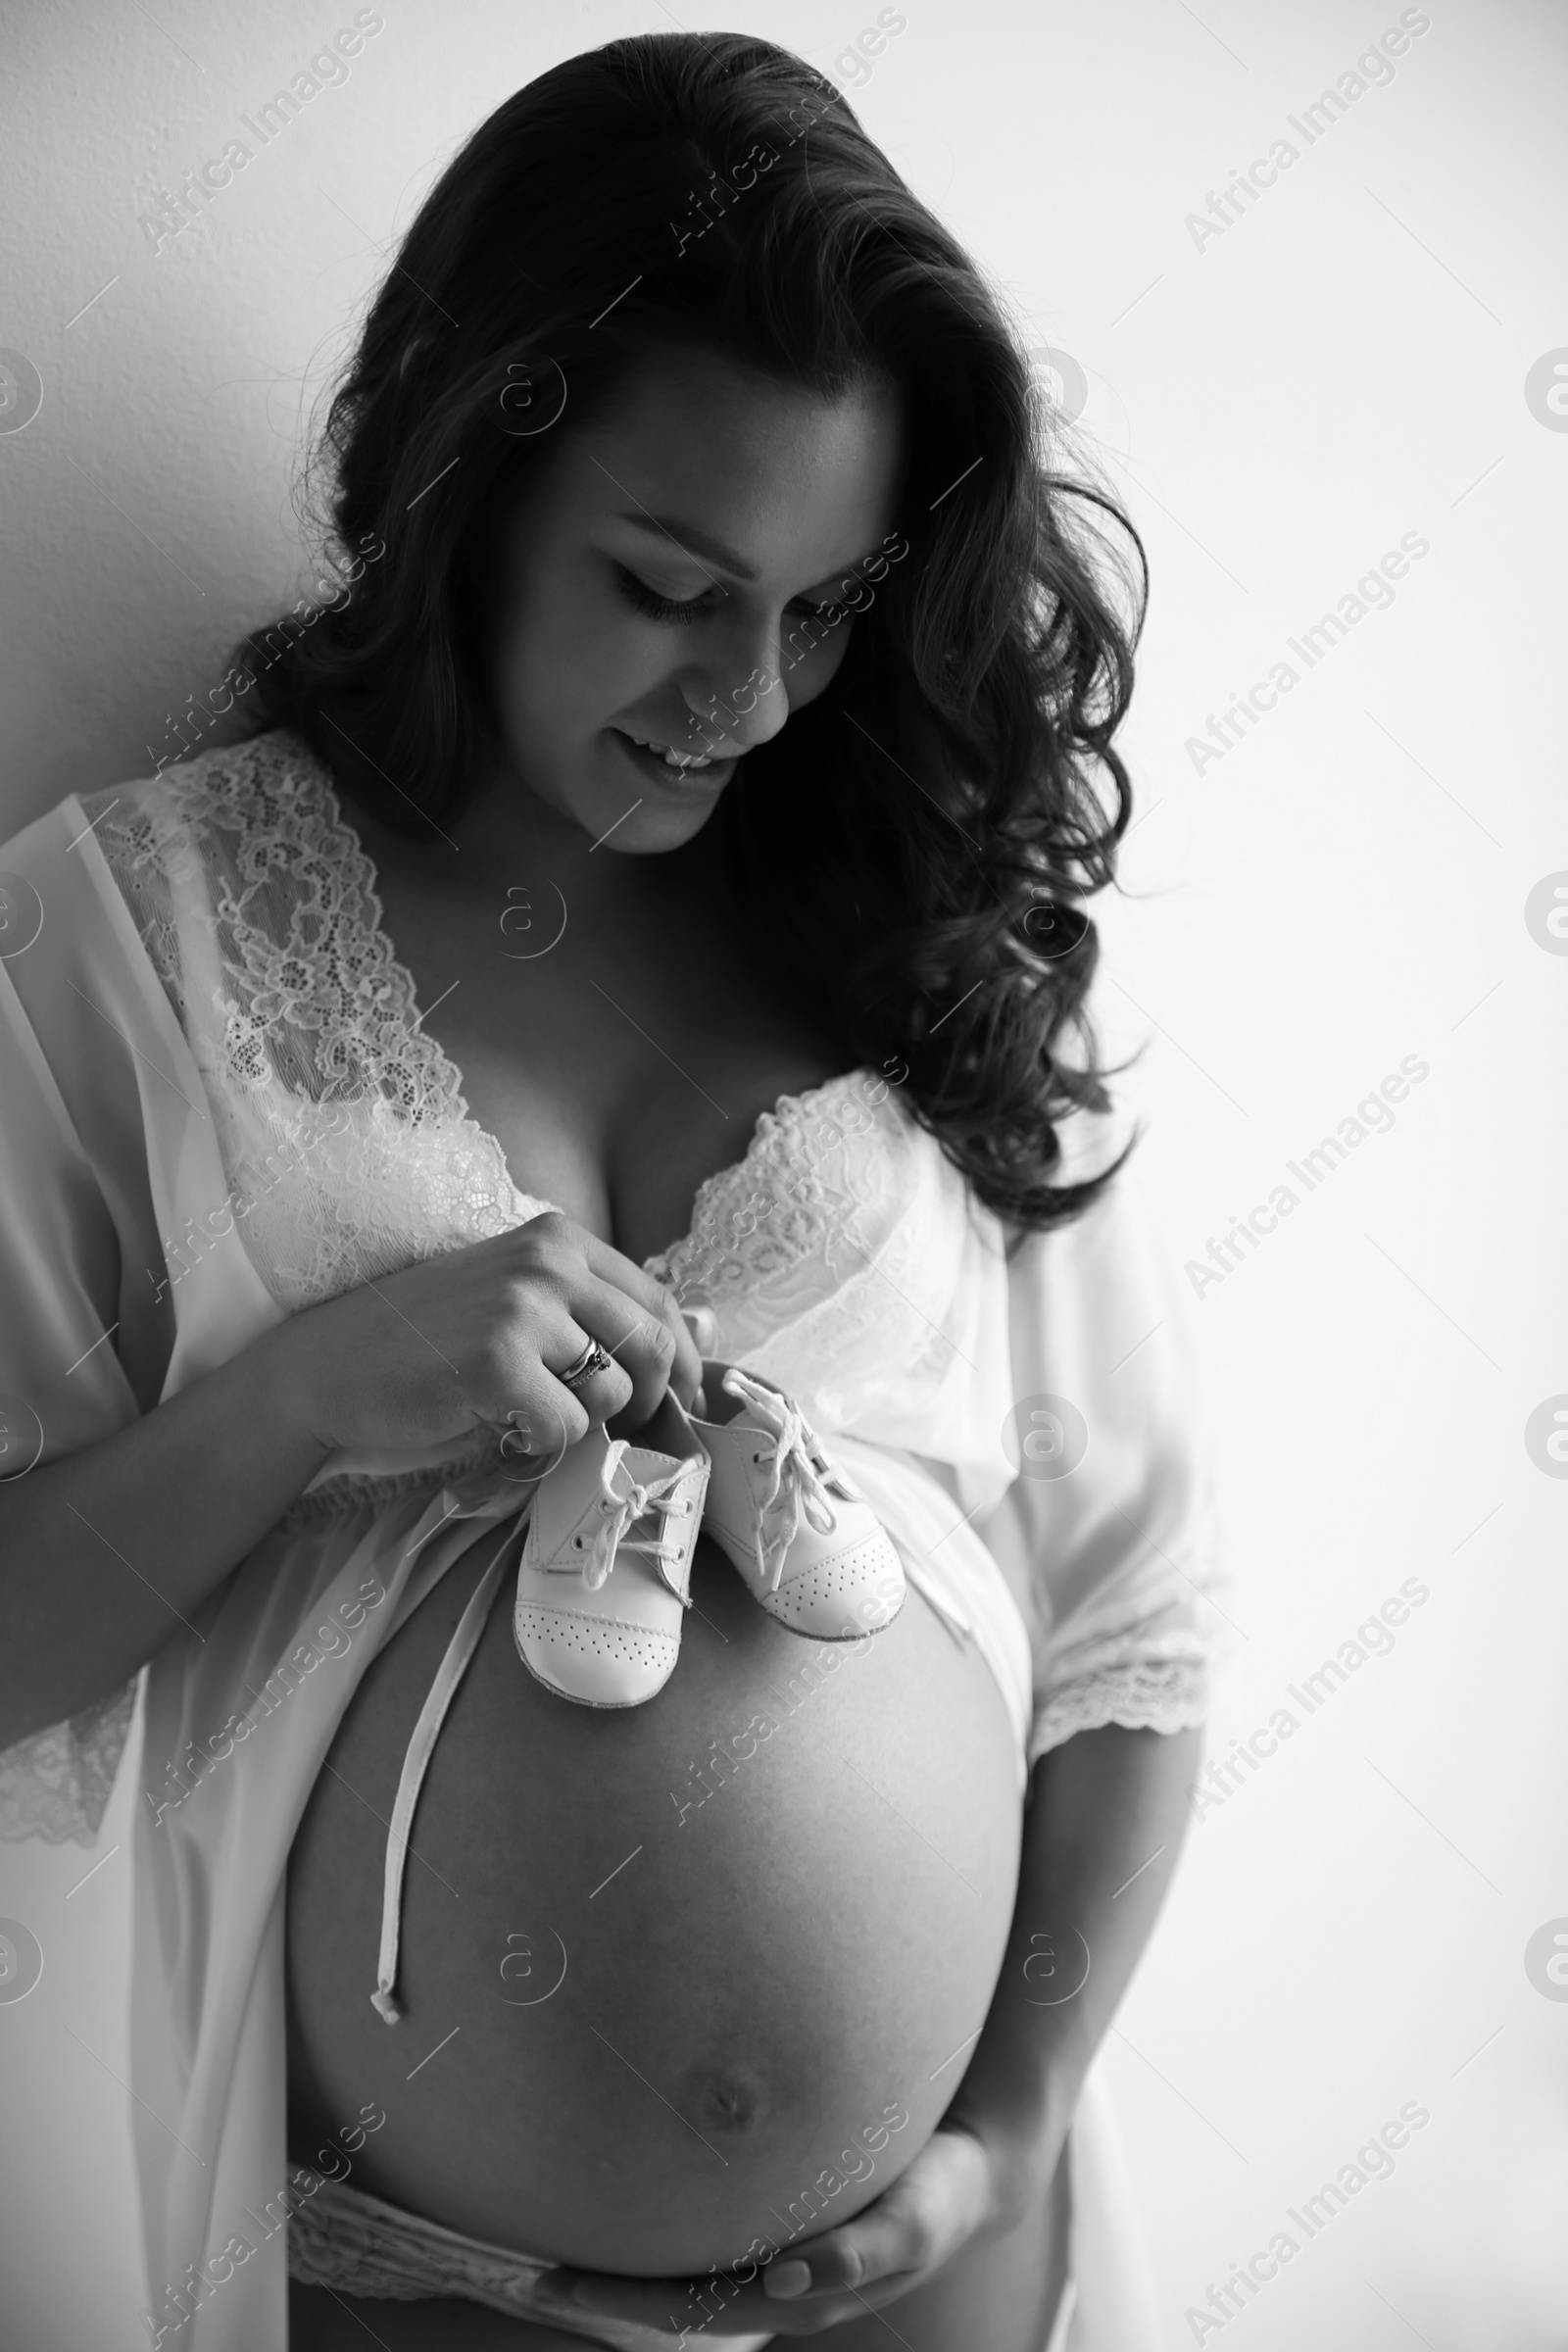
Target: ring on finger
<point x="592" y="1360"/>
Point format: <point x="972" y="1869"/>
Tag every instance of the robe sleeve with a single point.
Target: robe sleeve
<point x="1108" y="1532"/>
<point x="62" y="1387"/>
<point x="105" y="1150"/>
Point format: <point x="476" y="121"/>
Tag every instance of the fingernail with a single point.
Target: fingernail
<point x="789" y="2278"/>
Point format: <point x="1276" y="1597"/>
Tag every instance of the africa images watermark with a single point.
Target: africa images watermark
<point x="1372" y="592"/>
<point x="803" y="639"/>
<point x="850" y="64"/>
<point x="707" y="205"/>
<point x="200" y="1759"/>
<point x="710" y="1250"/>
<point x="854" y="2163"/>
<point x="1373" y="2161"/>
<point x="315" y="1125"/>
<point x="165" y="220"/>
<point x="721" y="192"/>
<point x="178" y="2305"/>
<point x="1372" y="1115"/>
<point x="1373" y="1637"/>
<point x="335" y="596"/>
<point x="1372" y="68"/>
<point x="723" y="1758"/>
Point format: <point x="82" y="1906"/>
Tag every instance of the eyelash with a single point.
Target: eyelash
<point x="664" y="608"/>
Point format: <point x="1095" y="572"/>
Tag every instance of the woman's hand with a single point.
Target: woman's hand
<point x="972" y="2180"/>
<point x="482" y="1334"/>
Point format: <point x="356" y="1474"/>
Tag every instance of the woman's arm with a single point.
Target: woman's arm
<point x="106" y="1551"/>
<point x="1107" y="1816"/>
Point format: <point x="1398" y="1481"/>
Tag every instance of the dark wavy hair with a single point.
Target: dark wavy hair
<point x="714" y="191"/>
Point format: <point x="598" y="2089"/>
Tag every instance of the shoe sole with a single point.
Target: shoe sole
<point x="856" y="1634"/>
<point x="602" y="1706"/>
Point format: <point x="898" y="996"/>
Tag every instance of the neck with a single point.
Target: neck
<point x="506" y="832"/>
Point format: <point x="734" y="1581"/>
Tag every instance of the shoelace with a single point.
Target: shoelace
<point x="796" y="1483"/>
<point x="619" y="1513"/>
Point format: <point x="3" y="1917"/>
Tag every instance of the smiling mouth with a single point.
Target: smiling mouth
<point x="664" y="757"/>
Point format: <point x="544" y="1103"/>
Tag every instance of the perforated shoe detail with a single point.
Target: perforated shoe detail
<point x="822" y="1594"/>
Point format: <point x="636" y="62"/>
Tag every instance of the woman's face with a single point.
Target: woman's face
<point x="653" y="574"/>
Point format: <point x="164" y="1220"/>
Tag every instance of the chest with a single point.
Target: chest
<point x="618" y="1064"/>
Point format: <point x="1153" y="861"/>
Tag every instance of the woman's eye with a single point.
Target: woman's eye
<point x="665" y="607"/>
<point x="658" y="608"/>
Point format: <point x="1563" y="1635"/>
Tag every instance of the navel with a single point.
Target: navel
<point x="723" y="2098"/>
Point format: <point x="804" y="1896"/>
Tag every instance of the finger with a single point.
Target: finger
<point x="657" y="1300"/>
<point x="692" y="2302"/>
<point x="577" y="1260"/>
<point x="529" y="1413"/>
<point x="913" y="2226"/>
<point x="702" y="1325"/>
<point x="602" y="1391"/>
<point x="640" y="1343"/>
<point x="714" y="2307"/>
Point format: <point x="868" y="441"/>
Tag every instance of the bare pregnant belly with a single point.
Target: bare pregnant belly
<point x="643" y="2023"/>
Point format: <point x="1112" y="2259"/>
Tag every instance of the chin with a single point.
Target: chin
<point x="662" y="832"/>
<point x="666" y="804"/>
<point x="658" y="824"/>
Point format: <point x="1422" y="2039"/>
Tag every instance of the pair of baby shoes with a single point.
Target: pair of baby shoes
<point x="607" y="1561"/>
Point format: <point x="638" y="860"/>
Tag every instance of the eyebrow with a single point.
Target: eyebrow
<point x="687" y="536"/>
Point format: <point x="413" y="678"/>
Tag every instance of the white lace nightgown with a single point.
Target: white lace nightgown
<point x="218" y="1107"/>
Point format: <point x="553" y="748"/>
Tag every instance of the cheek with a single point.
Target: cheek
<point x="565" y="663"/>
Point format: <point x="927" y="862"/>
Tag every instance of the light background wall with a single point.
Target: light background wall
<point x="1346" y="888"/>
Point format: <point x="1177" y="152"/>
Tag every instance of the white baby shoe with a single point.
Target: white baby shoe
<point x="606" y="1562"/>
<point x="803" y="1539"/>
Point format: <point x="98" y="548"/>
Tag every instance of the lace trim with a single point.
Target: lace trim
<point x="343" y="1126"/>
<point x="342" y="2238"/>
<point x="1157" y="1694"/>
<point x="787" y="1216"/>
<point x="830" y="1253"/>
<point x="355" y="1488"/>
<point x="57" y="1785"/>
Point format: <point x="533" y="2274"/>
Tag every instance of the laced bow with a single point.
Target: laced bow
<point x="796" y="1483"/>
<point x="593" y="1548"/>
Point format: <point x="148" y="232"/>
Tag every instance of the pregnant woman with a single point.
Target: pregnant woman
<point x="648" y="893"/>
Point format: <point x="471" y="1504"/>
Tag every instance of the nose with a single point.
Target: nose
<point x="738" y="698"/>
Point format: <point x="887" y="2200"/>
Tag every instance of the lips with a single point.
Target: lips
<point x="669" y="767"/>
<point x="668" y="754"/>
